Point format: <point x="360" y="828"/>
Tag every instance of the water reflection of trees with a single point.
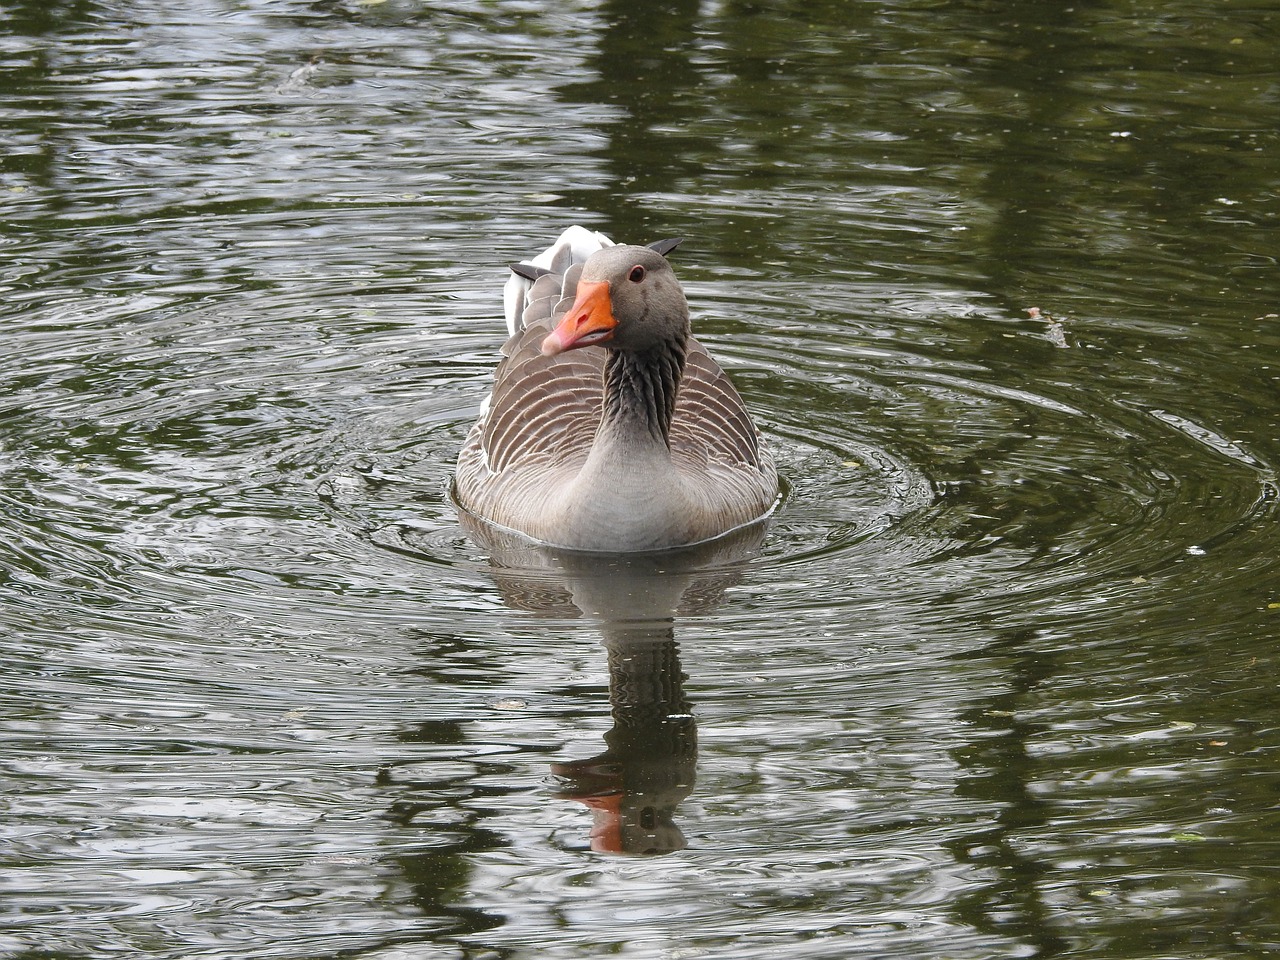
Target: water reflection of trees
<point x="998" y="770"/>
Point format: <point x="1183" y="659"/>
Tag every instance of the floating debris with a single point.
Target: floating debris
<point x="1054" y="329"/>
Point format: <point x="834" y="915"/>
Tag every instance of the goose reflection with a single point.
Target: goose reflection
<point x="649" y="764"/>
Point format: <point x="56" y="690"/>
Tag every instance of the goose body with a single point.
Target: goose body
<point x="609" y="427"/>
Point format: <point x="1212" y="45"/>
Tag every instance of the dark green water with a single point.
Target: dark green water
<point x="1000" y="283"/>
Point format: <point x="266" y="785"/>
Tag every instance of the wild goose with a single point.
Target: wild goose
<point x="609" y="427"/>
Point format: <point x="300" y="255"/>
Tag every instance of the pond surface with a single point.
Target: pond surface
<point x="1000" y="284"/>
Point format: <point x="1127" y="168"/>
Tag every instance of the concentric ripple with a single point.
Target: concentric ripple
<point x="204" y="426"/>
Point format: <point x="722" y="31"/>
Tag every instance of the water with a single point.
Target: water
<point x="1000" y="285"/>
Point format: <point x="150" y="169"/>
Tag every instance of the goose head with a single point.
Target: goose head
<point x="627" y="299"/>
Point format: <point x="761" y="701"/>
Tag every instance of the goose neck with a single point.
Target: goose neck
<point x="640" y="393"/>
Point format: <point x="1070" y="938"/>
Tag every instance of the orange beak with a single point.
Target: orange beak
<point x="606" y="831"/>
<point x="590" y="320"/>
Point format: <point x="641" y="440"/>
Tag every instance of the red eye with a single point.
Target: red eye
<point x="636" y="274"/>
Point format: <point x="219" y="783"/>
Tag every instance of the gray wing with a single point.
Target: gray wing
<point x="711" y="423"/>
<point x="543" y="409"/>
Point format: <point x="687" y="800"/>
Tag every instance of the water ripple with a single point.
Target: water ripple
<point x="1000" y="666"/>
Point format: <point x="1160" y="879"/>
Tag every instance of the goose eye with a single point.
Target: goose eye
<point x="636" y="274"/>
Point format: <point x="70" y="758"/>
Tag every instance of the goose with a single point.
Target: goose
<point x="609" y="428"/>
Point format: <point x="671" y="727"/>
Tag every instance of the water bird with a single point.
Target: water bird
<point x="609" y="427"/>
